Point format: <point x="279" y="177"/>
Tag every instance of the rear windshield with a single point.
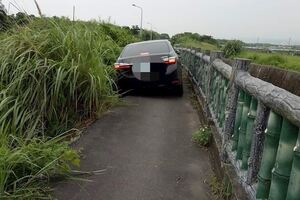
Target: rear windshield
<point x="146" y="48"/>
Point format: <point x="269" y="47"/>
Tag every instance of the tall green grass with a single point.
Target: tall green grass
<point x="53" y="73"/>
<point x="25" y="166"/>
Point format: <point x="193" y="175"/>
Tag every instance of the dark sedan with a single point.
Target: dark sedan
<point x="149" y="64"/>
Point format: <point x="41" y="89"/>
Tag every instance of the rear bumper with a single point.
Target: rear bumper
<point x="169" y="80"/>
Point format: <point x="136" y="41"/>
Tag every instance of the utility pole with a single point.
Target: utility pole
<point x="8" y="8"/>
<point x="73" y="13"/>
<point x="141" y="28"/>
<point x="151" y="36"/>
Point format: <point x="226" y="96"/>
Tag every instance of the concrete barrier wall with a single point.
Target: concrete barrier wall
<point x="258" y="122"/>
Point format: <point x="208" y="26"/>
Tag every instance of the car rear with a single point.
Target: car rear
<point x="149" y="64"/>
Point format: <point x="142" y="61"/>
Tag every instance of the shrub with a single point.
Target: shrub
<point x="202" y="136"/>
<point x="232" y="48"/>
<point x="165" y="36"/>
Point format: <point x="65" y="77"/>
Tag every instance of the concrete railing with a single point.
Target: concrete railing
<point x="258" y="122"/>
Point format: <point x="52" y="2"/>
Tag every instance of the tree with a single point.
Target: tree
<point x="146" y="35"/>
<point x="165" y="36"/>
<point x="232" y="48"/>
<point x="3" y="17"/>
<point x="135" y="30"/>
<point x="21" y="18"/>
<point x="126" y="28"/>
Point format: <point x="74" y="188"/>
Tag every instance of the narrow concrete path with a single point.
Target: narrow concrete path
<point x="147" y="152"/>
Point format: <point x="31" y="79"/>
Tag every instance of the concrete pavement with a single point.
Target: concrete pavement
<point x="147" y="152"/>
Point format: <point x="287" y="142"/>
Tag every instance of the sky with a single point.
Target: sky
<point x="276" y="21"/>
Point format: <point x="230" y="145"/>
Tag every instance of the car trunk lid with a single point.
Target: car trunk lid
<point x="147" y="67"/>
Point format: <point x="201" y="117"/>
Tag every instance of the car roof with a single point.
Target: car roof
<point x="150" y="41"/>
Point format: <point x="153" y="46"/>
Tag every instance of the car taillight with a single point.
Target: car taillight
<point x="122" y="66"/>
<point x="170" y="60"/>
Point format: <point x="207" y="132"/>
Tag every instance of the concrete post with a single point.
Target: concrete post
<point x="194" y="61"/>
<point x="239" y="65"/>
<point x="207" y="52"/>
<point x="216" y="55"/>
<point x="213" y="56"/>
<point x="200" y="70"/>
<point x="257" y="146"/>
<point x="198" y="50"/>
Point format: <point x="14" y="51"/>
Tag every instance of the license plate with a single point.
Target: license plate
<point x="142" y="71"/>
<point x="145" y="68"/>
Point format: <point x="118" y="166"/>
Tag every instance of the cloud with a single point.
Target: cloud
<point x="220" y="18"/>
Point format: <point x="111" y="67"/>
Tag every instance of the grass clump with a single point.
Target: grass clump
<point x="53" y="74"/>
<point x="25" y="165"/>
<point x="222" y="190"/>
<point x="202" y="136"/>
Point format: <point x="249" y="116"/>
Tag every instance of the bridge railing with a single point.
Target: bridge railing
<point x="258" y="122"/>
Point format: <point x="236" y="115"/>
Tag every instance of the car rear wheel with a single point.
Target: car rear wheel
<point x="178" y="90"/>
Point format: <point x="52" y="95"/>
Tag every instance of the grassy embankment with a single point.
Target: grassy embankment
<point x="53" y="75"/>
<point x="192" y="43"/>
<point x="284" y="61"/>
<point x="194" y="40"/>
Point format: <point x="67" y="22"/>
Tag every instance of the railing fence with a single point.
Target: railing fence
<point x="258" y="122"/>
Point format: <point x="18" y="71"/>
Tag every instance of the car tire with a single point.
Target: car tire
<point x="178" y="90"/>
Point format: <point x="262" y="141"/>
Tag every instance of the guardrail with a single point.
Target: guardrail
<point x="258" y="122"/>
